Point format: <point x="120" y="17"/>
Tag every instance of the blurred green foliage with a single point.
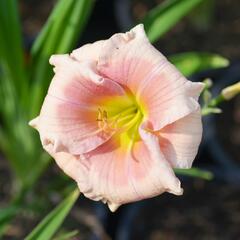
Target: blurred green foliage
<point x="50" y="224"/>
<point x="193" y="62"/>
<point x="162" y="18"/>
<point x="23" y="85"/>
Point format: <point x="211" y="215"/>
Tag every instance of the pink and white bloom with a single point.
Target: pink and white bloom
<point x="118" y="117"/>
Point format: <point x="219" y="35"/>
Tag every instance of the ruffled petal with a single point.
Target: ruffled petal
<point x="164" y="104"/>
<point x="120" y="175"/>
<point x="164" y="94"/>
<point x="128" y="58"/>
<point x="180" y="140"/>
<point x="75" y="167"/>
<point x="89" y="51"/>
<point x="68" y="118"/>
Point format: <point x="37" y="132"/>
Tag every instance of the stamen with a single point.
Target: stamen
<point x="119" y="115"/>
<point x="120" y="122"/>
<point x="102" y="120"/>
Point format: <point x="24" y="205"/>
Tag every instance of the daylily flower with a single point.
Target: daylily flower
<point x="118" y="117"/>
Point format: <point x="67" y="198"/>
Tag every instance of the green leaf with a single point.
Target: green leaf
<point x="162" y="18"/>
<point x="18" y="141"/>
<point x="59" y="35"/>
<point x="195" y="172"/>
<point x="11" y="48"/>
<point x="13" y="91"/>
<point x="3" y="140"/>
<point x="66" y="236"/>
<point x="192" y="62"/>
<point x="6" y="215"/>
<point x="51" y="223"/>
<point x="49" y="34"/>
<point x="210" y="110"/>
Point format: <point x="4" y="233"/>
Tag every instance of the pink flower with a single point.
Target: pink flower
<point x="118" y="117"/>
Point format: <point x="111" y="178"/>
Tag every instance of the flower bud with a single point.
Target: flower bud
<point x="231" y="91"/>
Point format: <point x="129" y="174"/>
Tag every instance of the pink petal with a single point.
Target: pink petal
<point x="117" y="176"/>
<point x="88" y="51"/>
<point x="180" y="140"/>
<point x="129" y="58"/>
<point x="68" y="118"/>
<point x="171" y="101"/>
<point x="163" y="92"/>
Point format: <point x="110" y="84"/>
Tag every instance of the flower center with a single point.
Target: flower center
<point x="121" y="114"/>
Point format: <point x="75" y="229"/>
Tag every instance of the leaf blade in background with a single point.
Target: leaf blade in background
<point x="51" y="223"/>
<point x="192" y="62"/>
<point x="13" y="87"/>
<point x="65" y="28"/>
<point x="11" y="47"/>
<point x="41" y="39"/>
<point x="6" y="215"/>
<point x="163" y="17"/>
<point x="195" y="172"/>
<point x="67" y="236"/>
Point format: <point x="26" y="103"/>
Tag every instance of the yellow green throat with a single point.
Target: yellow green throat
<point x="121" y="114"/>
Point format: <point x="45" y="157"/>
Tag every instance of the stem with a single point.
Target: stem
<point x="206" y="109"/>
<point x="216" y="101"/>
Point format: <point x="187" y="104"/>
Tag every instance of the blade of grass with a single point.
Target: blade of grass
<point x="60" y="22"/>
<point x="7" y="213"/>
<point x="66" y="27"/>
<point x="3" y="140"/>
<point x="192" y="62"/>
<point x="195" y="172"/>
<point x="11" y="48"/>
<point x="162" y="18"/>
<point x="51" y="223"/>
<point x="45" y="32"/>
<point x="8" y="96"/>
<point x="83" y="8"/>
<point x="24" y="148"/>
<point x="66" y="236"/>
<point x="13" y="86"/>
<point x="6" y="216"/>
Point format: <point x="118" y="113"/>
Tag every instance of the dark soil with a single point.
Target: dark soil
<point x="33" y="15"/>
<point x="207" y="210"/>
<point x="5" y="181"/>
<point x="45" y="196"/>
<point x="228" y="128"/>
